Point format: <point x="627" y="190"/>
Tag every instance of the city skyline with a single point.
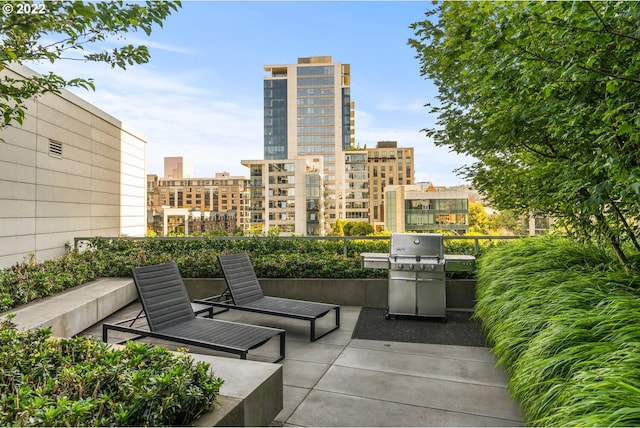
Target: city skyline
<point x="201" y="96"/>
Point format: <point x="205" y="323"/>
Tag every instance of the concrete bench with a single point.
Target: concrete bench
<point x="76" y="309"/>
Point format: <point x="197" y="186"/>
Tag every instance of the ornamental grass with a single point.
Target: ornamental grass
<point x="562" y="320"/>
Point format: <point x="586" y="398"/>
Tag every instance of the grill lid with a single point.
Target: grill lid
<point x="424" y="245"/>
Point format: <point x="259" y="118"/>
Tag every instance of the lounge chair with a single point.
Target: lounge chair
<point x="170" y="316"/>
<point x="245" y="293"/>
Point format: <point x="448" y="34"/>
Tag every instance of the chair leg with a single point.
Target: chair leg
<point x="312" y="333"/>
<point x="282" y="346"/>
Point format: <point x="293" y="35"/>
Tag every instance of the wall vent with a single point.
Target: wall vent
<point x="55" y="149"/>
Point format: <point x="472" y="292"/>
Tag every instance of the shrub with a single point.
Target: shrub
<point x="273" y="257"/>
<point x="83" y="382"/>
<point x="561" y="317"/>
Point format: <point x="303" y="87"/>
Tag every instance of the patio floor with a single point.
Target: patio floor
<point x="340" y="381"/>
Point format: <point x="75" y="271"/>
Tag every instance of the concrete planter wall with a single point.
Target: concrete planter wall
<point x="347" y="292"/>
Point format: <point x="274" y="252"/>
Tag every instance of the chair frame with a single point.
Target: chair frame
<point x="217" y="344"/>
<point x="226" y="299"/>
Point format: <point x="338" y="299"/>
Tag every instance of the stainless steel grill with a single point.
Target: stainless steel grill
<point x="417" y="275"/>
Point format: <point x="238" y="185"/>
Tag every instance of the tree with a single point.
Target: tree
<point x="508" y="222"/>
<point x="478" y="219"/>
<point x="75" y="25"/>
<point x="351" y="228"/>
<point x="338" y="228"/>
<point x="358" y="228"/>
<point x="544" y="96"/>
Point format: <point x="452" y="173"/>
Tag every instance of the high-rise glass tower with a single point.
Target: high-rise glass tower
<point x="308" y="112"/>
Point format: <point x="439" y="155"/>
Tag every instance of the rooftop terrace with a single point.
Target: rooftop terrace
<point x="338" y="380"/>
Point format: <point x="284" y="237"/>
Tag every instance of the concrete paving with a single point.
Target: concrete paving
<point x="339" y="381"/>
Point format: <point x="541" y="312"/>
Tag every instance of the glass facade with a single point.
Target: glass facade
<point x="316" y="110"/>
<point x="430" y="215"/>
<point x="346" y="118"/>
<point x="275" y="119"/>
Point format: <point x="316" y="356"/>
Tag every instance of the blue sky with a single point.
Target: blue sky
<point x="200" y="96"/>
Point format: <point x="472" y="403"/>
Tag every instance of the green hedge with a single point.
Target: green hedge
<point x="272" y="257"/>
<point x="83" y="382"/>
<point x="562" y="319"/>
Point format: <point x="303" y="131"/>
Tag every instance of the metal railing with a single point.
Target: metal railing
<point x="80" y="241"/>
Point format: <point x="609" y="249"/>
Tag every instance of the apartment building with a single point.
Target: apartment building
<point x="356" y="195"/>
<point x="389" y="165"/>
<point x="425" y="208"/>
<point x="218" y="202"/>
<point x="308" y="112"/>
<point x="286" y="195"/>
<point x="69" y="170"/>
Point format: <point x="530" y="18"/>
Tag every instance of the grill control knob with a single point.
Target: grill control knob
<point x="411" y="267"/>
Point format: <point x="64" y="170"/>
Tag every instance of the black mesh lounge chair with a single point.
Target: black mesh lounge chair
<point x="171" y="317"/>
<point x="246" y="294"/>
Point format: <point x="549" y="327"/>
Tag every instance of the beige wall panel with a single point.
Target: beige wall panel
<point x="71" y="225"/>
<point x="20" y="245"/>
<point x="46" y="209"/>
<point x="61" y="179"/>
<point x="107" y="124"/>
<point x="54" y="104"/>
<point x="16" y="208"/>
<point x="107" y="151"/>
<point x="13" y="258"/>
<point x="14" y="172"/>
<point x="130" y="222"/>
<point x="98" y="210"/>
<point x="105" y="186"/>
<point x="133" y="145"/>
<point x="137" y="231"/>
<point x="105" y="198"/>
<point x="77" y="169"/>
<point x="132" y="191"/>
<point x="52" y="244"/>
<point x="111" y="164"/>
<point x="104" y="174"/>
<point x="105" y="226"/>
<point x="107" y="135"/>
<point x="62" y="194"/>
<point x="52" y="253"/>
<point x="18" y="191"/>
<point x="66" y="121"/>
<point x="131" y="201"/>
<point x="17" y="155"/>
<point x="136" y="181"/>
<point x="48" y="130"/>
<point x="131" y="161"/>
<point x="20" y="137"/>
<point x="17" y="226"/>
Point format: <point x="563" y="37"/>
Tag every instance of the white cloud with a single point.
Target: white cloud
<point x="413" y="106"/>
<point x="177" y="117"/>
